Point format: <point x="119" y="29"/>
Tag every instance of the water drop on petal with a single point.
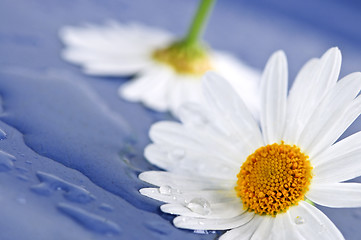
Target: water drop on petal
<point x="165" y="190"/>
<point x="299" y="220"/>
<point x="200" y="206"/>
<point x="200" y="222"/>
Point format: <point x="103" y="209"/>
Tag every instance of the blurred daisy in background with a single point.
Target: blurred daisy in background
<point x="167" y="70"/>
<point x="224" y="172"/>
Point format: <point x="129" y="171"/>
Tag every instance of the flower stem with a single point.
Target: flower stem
<point x="199" y="21"/>
<point x="310" y="202"/>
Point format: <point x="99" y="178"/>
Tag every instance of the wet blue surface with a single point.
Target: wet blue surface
<point x="71" y="150"/>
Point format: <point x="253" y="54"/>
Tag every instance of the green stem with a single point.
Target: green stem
<point x="199" y="21"/>
<point x="310" y="202"/>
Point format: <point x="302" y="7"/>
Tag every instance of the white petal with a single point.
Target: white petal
<point x="193" y="115"/>
<point x="212" y="224"/>
<point x="179" y="137"/>
<point x="191" y="162"/>
<point x="311" y="85"/>
<point x="315" y="224"/>
<point x="244" y="79"/>
<point x="115" y="68"/>
<point x="118" y="38"/>
<point x="295" y="102"/>
<point x="315" y="137"/>
<point x="264" y="228"/>
<point x="243" y="232"/>
<point x="150" y="87"/>
<point x="182" y="91"/>
<point x="180" y="182"/>
<point x="217" y="210"/>
<point x="113" y="49"/>
<point x="198" y="118"/>
<point x="284" y="228"/>
<point x="336" y="195"/>
<point x="274" y="95"/>
<point x="331" y="168"/>
<point x="171" y="195"/>
<point x="340" y="162"/>
<point x="229" y="107"/>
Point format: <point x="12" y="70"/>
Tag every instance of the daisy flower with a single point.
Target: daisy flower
<point x="167" y="70"/>
<point x="225" y="172"/>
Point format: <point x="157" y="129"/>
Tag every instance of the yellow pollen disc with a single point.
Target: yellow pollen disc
<point x="273" y="178"/>
<point x="184" y="59"/>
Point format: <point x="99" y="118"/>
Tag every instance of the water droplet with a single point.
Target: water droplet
<point x="158" y="227"/>
<point x="72" y="192"/>
<point x="205" y="232"/>
<point x="3" y="134"/>
<point x="21" y="200"/>
<point x="22" y="177"/>
<point x="165" y="190"/>
<point x="90" y="221"/>
<point x="299" y="220"/>
<point x="200" y="206"/>
<point x="106" y="207"/>
<point x="22" y="170"/>
<point x="200" y="222"/>
<point x="176" y="155"/>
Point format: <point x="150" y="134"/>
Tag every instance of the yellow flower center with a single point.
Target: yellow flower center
<point x="184" y="59"/>
<point x="273" y="178"/>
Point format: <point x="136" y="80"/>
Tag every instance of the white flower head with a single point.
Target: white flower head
<point x="224" y="172"/>
<point x="127" y="49"/>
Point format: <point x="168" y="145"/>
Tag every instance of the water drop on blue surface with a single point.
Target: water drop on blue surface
<point x="299" y="220"/>
<point x="22" y="170"/>
<point x="89" y="220"/>
<point x="21" y="200"/>
<point x="50" y="183"/>
<point x="158" y="227"/>
<point x="106" y="207"/>
<point x="200" y="206"/>
<point x="3" y="134"/>
<point x="6" y="161"/>
<point x="22" y="177"/>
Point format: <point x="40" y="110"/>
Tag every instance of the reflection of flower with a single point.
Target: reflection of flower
<point x="117" y="49"/>
<point x="291" y="159"/>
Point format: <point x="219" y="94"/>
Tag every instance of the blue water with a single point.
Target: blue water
<point x="71" y="150"/>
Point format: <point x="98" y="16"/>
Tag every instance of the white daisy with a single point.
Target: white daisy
<point x="224" y="172"/>
<point x="161" y="84"/>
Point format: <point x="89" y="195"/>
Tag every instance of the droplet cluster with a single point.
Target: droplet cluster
<point x="274" y="178"/>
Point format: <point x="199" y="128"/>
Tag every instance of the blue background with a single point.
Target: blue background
<point x="71" y="149"/>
